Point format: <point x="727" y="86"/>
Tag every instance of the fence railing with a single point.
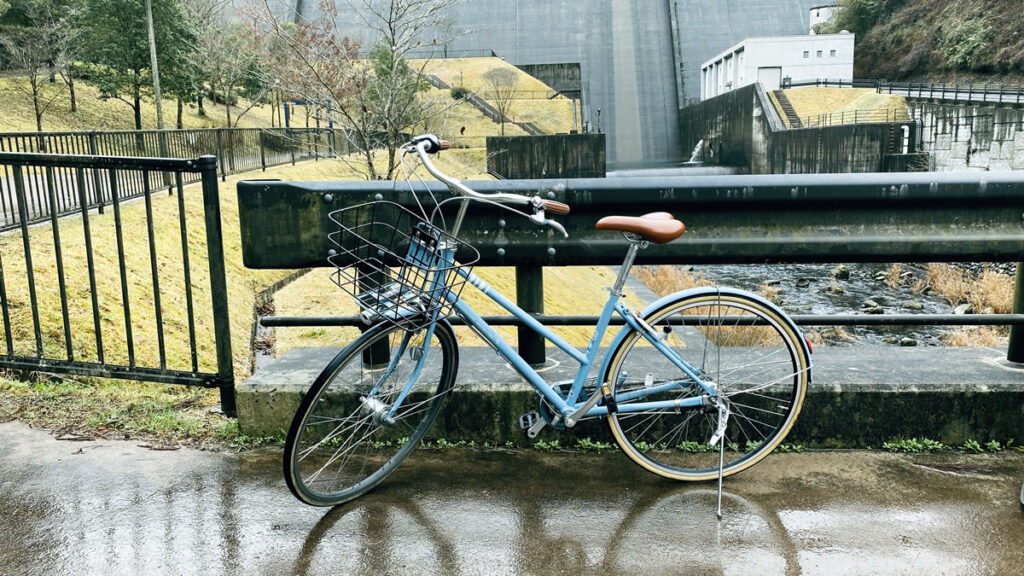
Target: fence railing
<point x="885" y="217"/>
<point x="237" y="150"/>
<point x="856" y="117"/>
<point x="983" y="93"/>
<point x="112" y="295"/>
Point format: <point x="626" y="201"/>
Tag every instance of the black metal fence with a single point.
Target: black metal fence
<point x="856" y="117"/>
<point x="237" y="150"/>
<point x="980" y="93"/>
<point x="113" y="295"/>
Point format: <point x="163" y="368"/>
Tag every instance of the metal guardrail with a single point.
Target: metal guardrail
<point x="890" y="217"/>
<point x="35" y="272"/>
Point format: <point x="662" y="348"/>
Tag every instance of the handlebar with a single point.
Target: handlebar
<point x="427" y="144"/>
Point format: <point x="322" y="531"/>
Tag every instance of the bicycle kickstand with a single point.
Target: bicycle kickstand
<point x="719" y="437"/>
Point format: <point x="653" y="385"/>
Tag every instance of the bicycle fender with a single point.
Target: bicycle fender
<point x="675" y="296"/>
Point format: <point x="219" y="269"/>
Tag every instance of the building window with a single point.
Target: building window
<point x="819" y="54"/>
<point x="832" y="53"/>
<point x="807" y="54"/>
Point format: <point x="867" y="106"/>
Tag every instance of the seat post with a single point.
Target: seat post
<point x="635" y="244"/>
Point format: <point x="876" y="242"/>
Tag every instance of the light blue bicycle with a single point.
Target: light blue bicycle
<point x="699" y="385"/>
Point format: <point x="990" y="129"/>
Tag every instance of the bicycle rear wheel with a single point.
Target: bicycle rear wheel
<point x="736" y="341"/>
<point x="347" y="434"/>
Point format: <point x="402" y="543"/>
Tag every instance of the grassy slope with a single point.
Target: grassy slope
<point x="811" y="102"/>
<point x="552" y="116"/>
<point x="16" y="113"/>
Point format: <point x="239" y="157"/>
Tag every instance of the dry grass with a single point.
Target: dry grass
<point x="550" y="115"/>
<point x="948" y="281"/>
<point x="977" y="336"/>
<point x="812" y="102"/>
<point x="893" y="275"/>
<point x="990" y="293"/>
<point x="769" y="290"/>
<point x="96" y="114"/>
<point x="665" y="280"/>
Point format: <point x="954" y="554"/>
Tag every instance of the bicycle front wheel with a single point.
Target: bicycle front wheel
<point x="367" y="411"/>
<point x="736" y="342"/>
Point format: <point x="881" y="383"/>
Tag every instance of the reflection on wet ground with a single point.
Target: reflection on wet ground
<point x="115" y="508"/>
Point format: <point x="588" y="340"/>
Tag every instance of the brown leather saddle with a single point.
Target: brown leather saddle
<point x="657" y="227"/>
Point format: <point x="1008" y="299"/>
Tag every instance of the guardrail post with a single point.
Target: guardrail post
<point x="530" y="297"/>
<point x="218" y="284"/>
<point x="1015" y="349"/>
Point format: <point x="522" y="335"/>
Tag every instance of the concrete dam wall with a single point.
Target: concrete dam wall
<point x="741" y="128"/>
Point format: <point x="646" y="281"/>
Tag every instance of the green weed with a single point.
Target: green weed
<point x="588" y="445"/>
<point x="545" y="446"/>
<point x="914" y="446"/>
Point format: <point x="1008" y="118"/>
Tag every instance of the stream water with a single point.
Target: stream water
<point x="811" y="289"/>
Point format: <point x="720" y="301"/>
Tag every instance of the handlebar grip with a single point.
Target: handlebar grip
<point x="434" y="144"/>
<point x="555" y="207"/>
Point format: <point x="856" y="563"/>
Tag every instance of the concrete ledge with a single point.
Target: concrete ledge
<point x="861" y="396"/>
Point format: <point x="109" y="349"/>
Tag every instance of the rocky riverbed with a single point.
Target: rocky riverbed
<point x="845" y="289"/>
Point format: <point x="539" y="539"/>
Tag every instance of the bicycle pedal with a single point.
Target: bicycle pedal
<point x="528" y="420"/>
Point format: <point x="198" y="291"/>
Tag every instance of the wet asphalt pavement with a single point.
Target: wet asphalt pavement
<point x="116" y="508"/>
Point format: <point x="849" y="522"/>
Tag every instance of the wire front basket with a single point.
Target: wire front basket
<point x="398" y="267"/>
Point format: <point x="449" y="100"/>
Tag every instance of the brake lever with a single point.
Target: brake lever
<point x="538" y="218"/>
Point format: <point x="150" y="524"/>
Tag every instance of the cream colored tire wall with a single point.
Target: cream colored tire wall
<point x="763" y="371"/>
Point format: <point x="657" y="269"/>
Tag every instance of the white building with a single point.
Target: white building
<point x="822" y="15"/>
<point x="769" y="60"/>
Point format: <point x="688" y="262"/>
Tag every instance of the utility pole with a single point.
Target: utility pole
<point x="153" y="67"/>
<point x="161" y="135"/>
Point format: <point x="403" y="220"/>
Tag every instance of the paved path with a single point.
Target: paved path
<point x="115" y="508"/>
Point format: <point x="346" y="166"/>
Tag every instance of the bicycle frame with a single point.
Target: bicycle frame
<point x="571" y="403"/>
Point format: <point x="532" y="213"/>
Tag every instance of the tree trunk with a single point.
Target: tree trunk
<point x="137" y="99"/>
<point x="35" y="104"/>
<point x="227" y="104"/>
<point x="140" y="143"/>
<point x="199" y="103"/>
<point x="181" y="108"/>
<point x="71" y="90"/>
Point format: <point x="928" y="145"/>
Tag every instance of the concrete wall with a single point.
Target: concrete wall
<point x="564" y="77"/>
<point x="539" y="157"/>
<point x="738" y="130"/>
<point x="970" y="137"/>
<point x="707" y="28"/>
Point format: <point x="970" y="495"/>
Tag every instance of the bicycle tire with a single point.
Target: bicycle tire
<point x="340" y="444"/>
<point x="762" y="370"/>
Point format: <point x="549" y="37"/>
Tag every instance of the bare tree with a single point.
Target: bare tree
<point x="502" y="86"/>
<point x="375" y="94"/>
<point x="41" y="49"/>
<point x="28" y="50"/>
